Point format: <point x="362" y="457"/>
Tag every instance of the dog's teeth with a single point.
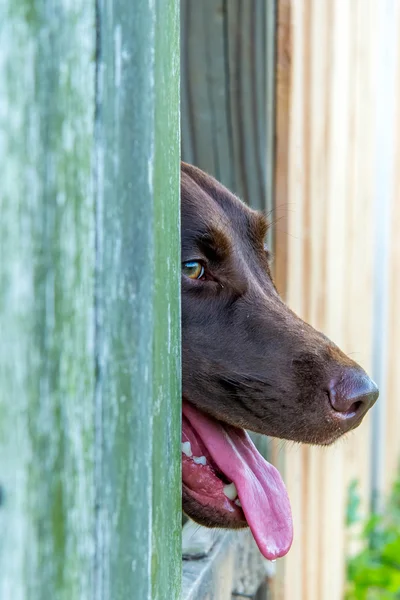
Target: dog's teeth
<point x="200" y="460"/>
<point x="238" y="503"/>
<point x="186" y="449"/>
<point x="230" y="491"/>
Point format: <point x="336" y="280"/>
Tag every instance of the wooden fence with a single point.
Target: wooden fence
<point x="89" y="280"/>
<point x="337" y="210"/>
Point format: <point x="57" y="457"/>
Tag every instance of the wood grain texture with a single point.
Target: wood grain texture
<point x="393" y="375"/>
<point x="47" y="289"/>
<point x="138" y="475"/>
<point x="327" y="139"/>
<point x="283" y="86"/>
<point x="89" y="280"/>
<point x="227" y="112"/>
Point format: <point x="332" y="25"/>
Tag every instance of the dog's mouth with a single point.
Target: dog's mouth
<point x="223" y="472"/>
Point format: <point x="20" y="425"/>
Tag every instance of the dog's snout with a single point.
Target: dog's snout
<point x="352" y="395"/>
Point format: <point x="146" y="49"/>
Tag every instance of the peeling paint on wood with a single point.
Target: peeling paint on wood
<point x="46" y="285"/>
<point x="138" y="533"/>
<point x="89" y="300"/>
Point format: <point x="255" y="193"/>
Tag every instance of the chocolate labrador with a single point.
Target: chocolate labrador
<point x="249" y="363"/>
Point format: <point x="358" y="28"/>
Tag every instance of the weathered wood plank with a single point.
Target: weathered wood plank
<point x="325" y="175"/>
<point x="138" y="397"/>
<point x="226" y="122"/>
<point x="47" y="289"/>
<point x="393" y="384"/>
<point x="167" y="412"/>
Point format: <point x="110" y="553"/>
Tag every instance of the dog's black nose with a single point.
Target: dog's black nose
<point x="352" y="395"/>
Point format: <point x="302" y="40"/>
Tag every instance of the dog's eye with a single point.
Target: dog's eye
<point x="193" y="269"/>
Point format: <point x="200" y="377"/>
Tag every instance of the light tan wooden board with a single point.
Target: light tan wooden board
<point x="325" y="185"/>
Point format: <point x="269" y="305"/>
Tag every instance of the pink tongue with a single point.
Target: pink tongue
<point x="261" y="490"/>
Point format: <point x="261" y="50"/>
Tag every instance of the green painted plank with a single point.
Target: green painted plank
<point x="89" y="297"/>
<point x="46" y="296"/>
<point x="138" y="478"/>
<point x="167" y="410"/>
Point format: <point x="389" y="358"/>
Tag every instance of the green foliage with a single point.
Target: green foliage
<point x="374" y="573"/>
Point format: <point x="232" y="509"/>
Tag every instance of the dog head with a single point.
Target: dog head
<point x="248" y="362"/>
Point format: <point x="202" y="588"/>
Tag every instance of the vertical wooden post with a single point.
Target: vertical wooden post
<point x="138" y="412"/>
<point x="89" y="300"/>
<point x="46" y="288"/>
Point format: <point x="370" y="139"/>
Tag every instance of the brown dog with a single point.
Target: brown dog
<point x="249" y="363"/>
